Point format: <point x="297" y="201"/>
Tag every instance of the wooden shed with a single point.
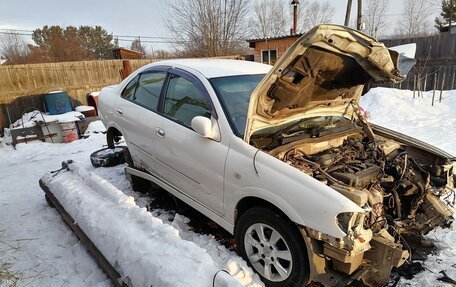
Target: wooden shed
<point x="268" y="50"/>
<point x="122" y="53"/>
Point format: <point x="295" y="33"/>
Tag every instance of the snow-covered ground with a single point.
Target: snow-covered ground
<point x="43" y="251"/>
<point x="398" y="110"/>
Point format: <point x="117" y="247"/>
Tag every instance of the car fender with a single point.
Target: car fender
<point x="305" y="200"/>
<point x="106" y="103"/>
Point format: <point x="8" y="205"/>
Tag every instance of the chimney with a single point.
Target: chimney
<point x="295" y="4"/>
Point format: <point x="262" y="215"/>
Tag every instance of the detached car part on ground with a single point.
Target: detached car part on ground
<point x="311" y="191"/>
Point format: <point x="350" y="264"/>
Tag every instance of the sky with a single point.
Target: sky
<point x="131" y="18"/>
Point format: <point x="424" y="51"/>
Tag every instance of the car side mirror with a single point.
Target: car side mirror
<point x="202" y="126"/>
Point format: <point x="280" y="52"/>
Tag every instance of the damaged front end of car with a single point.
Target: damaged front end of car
<point x="306" y="113"/>
<point x="399" y="186"/>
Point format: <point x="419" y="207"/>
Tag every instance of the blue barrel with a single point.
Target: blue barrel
<point x="57" y="103"/>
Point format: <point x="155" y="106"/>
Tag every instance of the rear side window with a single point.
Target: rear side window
<point x="149" y="88"/>
<point x="184" y="101"/>
<point x="129" y="90"/>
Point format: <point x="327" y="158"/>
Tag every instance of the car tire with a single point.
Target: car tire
<point x="107" y="157"/>
<point x="265" y="238"/>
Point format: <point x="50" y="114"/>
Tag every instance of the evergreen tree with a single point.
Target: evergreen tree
<point x="445" y="14"/>
<point x="138" y="47"/>
<point x="73" y="44"/>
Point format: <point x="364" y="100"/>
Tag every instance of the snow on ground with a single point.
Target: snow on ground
<point x="44" y="252"/>
<point x="416" y="117"/>
<point x="47" y="252"/>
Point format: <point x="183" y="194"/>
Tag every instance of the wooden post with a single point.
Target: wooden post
<point x="419" y="85"/>
<point x="441" y="88"/>
<point x="414" y="85"/>
<point x="452" y="82"/>
<point x="435" y="87"/>
<point x="425" y="82"/>
<point x="126" y="69"/>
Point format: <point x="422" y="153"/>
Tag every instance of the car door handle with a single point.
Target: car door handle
<point x="119" y="111"/>
<point x="160" y="132"/>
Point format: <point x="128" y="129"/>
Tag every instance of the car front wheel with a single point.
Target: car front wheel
<point x="273" y="246"/>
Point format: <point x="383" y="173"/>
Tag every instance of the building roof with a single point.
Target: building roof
<point x="125" y="49"/>
<point x="123" y="53"/>
<point x="214" y="68"/>
<point x="275" y="38"/>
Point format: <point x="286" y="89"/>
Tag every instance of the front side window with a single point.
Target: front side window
<point x="148" y="91"/>
<point x="184" y="101"/>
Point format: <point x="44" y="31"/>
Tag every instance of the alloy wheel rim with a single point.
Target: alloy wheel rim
<point x="268" y="252"/>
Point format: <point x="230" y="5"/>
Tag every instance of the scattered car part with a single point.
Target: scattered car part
<point x="107" y="157"/>
<point x="445" y="278"/>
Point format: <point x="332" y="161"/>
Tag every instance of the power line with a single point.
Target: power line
<point x="29" y="33"/>
<point x="164" y="40"/>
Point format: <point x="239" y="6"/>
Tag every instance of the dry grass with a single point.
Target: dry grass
<point x="9" y="275"/>
<point x="8" y="278"/>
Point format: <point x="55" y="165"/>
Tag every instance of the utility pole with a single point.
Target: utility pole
<point x="347" y="13"/>
<point x="359" y="19"/>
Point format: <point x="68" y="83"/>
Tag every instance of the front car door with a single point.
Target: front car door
<point x="186" y="160"/>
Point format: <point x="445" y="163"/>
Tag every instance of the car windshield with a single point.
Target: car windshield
<point x="234" y="94"/>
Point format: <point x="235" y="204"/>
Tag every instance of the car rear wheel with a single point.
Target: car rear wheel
<point x="273" y="247"/>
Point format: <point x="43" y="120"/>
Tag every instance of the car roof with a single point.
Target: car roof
<point x="214" y="68"/>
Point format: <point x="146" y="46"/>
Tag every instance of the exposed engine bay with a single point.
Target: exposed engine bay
<point x="399" y="186"/>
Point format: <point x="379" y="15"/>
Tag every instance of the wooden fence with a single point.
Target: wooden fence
<point x="22" y="85"/>
<point x="436" y="63"/>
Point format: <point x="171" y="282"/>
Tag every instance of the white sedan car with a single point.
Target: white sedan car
<point x="282" y="157"/>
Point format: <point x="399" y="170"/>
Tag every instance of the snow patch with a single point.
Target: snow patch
<point x="32" y="118"/>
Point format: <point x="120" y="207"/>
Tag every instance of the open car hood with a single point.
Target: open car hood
<point x="323" y="73"/>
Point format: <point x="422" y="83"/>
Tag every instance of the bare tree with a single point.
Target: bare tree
<point x="14" y="48"/>
<point x="416" y="20"/>
<point x="269" y="19"/>
<point x="207" y="28"/>
<point x="162" y="54"/>
<point x="374" y="15"/>
<point x="313" y="13"/>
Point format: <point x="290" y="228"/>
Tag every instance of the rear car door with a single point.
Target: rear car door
<point x="137" y="112"/>
<point x="186" y="160"/>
